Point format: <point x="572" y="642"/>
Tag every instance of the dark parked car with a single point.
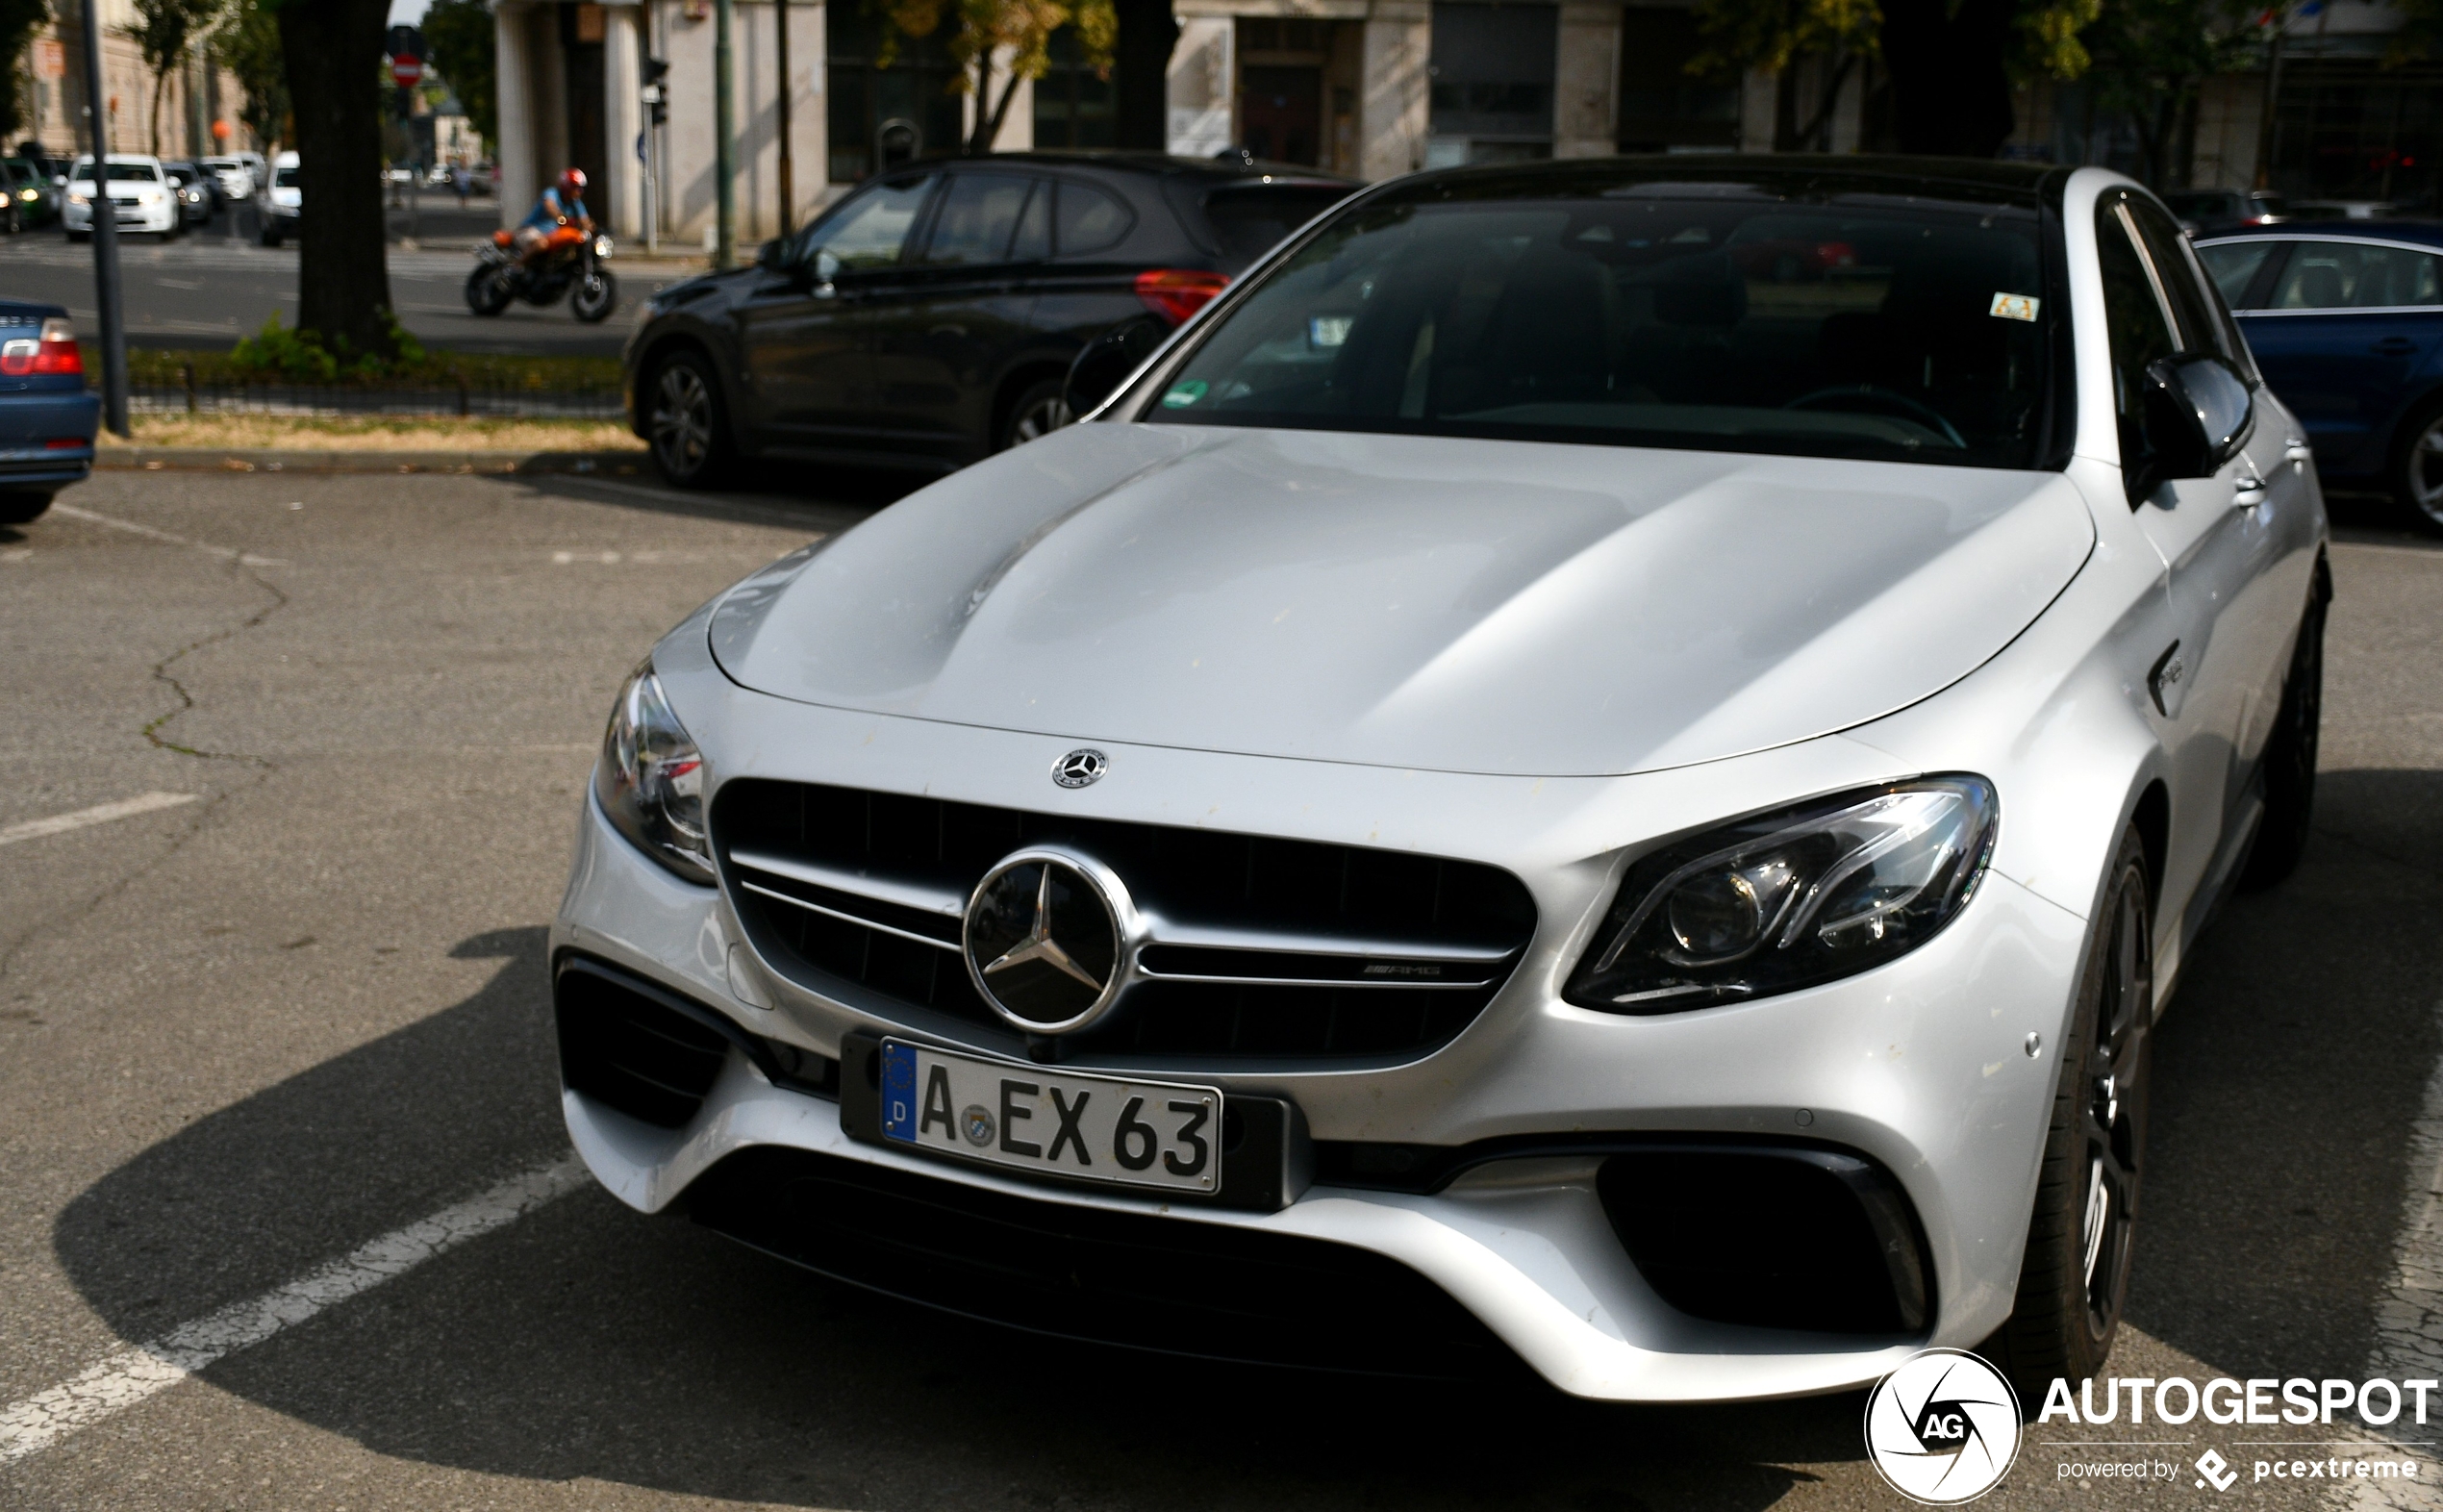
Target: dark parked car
<point x="33" y="199"/>
<point x="2345" y="321"/>
<point x="198" y="191"/>
<point x="47" y="421"/>
<point x="2208" y="211"/>
<point x="930" y="317"/>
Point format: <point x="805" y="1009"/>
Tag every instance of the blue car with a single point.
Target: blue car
<point x="47" y="421"/>
<point x="2346" y="319"/>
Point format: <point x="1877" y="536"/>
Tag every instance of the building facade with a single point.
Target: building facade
<point x="198" y="107"/>
<point x="1365" y="88"/>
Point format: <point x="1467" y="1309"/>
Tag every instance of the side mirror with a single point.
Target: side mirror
<point x="826" y="267"/>
<point x="1107" y="361"/>
<point x="2196" y="415"/>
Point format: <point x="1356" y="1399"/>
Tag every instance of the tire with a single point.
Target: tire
<point x="487" y="293"/>
<point x="20" y="508"/>
<point x="270" y="238"/>
<point x="80" y="236"/>
<point x="595" y="299"/>
<point x="685" y="421"/>
<point x="2290" y="750"/>
<point x="16" y="218"/>
<point x="2416" y="473"/>
<point x="2075" y="1277"/>
<point x="1042" y="408"/>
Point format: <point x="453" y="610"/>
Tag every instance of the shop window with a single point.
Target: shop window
<point x="1493" y="73"/>
<point x="1073" y="103"/>
<point x="881" y="117"/>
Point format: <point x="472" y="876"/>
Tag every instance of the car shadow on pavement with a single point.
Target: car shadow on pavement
<point x="2290" y="1068"/>
<point x="588" y="1341"/>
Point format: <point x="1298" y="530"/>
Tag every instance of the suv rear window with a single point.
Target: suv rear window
<point x="1248" y="222"/>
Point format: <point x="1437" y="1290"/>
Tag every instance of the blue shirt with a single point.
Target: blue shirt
<point x="549" y="209"/>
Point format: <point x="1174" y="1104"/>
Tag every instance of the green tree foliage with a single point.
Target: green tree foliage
<point x="463" y="42"/>
<point x="19" y="21"/>
<point x="986" y="28"/>
<point x="166" y="32"/>
<point x="2151" y="57"/>
<point x="247" y="44"/>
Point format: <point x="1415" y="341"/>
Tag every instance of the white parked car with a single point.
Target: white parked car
<point x="237" y="178"/>
<point x="282" y="207"/>
<point x="140" y="194"/>
<point x="1608" y="760"/>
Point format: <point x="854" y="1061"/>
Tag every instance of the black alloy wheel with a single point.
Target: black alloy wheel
<point x="488" y="291"/>
<point x="1041" y="410"/>
<point x="596" y="296"/>
<point x="684" y="422"/>
<point x="2289" y="762"/>
<point x="2074" y="1278"/>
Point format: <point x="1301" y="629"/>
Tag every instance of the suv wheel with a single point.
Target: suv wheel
<point x="2076" y="1274"/>
<point x="1042" y="408"/>
<point x="684" y="422"/>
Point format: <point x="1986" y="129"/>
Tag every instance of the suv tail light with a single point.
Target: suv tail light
<point x="54" y="354"/>
<point x="1175" y="293"/>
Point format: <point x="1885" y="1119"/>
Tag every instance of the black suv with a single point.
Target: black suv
<point x="930" y="317"/>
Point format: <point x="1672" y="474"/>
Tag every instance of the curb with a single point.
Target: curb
<point x="215" y="458"/>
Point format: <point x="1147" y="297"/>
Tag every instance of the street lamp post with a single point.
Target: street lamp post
<point x="105" y="222"/>
<point x="724" y="147"/>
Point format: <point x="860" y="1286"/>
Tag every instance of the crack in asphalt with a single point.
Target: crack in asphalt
<point x="264" y="766"/>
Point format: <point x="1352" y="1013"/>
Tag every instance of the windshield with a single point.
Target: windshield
<point x="121" y="172"/>
<point x="284" y="178"/>
<point x="1700" y="316"/>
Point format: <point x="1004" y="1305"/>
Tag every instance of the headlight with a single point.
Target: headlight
<point x="1789" y="900"/>
<point x="602" y="246"/>
<point x="75" y="198"/>
<point x="651" y="780"/>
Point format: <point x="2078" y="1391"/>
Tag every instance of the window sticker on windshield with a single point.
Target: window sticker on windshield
<point x="1183" y="395"/>
<point x="2014" y="307"/>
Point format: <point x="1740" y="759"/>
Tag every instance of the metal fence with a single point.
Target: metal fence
<point x="186" y="395"/>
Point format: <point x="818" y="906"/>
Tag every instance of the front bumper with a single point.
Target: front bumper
<point x="163" y="216"/>
<point x="1919" y="1066"/>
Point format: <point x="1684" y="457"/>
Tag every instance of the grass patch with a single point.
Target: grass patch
<point x="164" y="367"/>
<point x="375" y="433"/>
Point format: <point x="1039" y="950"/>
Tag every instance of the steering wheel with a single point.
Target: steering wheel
<point x="1860" y="396"/>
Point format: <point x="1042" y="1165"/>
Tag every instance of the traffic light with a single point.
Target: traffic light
<point x="656" y="92"/>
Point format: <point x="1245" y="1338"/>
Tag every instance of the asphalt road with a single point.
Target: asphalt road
<point x="220" y="283"/>
<point x="249" y="1033"/>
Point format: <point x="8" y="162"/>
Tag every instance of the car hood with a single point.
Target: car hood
<point x="1416" y="602"/>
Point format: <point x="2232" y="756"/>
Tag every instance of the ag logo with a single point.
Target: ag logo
<point x="1944" y="1427"/>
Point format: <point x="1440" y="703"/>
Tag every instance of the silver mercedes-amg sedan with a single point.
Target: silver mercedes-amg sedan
<point x="1601" y="764"/>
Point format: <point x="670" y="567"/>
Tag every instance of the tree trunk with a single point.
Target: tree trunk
<point x="1786" y="108"/>
<point x="1950" y="94"/>
<point x="1817" y="134"/>
<point x="333" y="50"/>
<point x="1140" y="65"/>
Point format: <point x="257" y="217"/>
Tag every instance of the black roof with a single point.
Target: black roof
<point x="2425" y="232"/>
<point x="1937" y="178"/>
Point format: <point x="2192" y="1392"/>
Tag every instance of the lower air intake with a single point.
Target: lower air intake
<point x="630" y="1051"/>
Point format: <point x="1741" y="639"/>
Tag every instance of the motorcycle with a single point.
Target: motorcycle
<point x="571" y="264"/>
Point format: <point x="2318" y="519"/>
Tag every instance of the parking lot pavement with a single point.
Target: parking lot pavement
<point x="210" y="288"/>
<point x="277" y="1089"/>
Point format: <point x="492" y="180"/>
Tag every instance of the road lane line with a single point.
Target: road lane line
<point x="133" y="1374"/>
<point x="100" y="814"/>
<point x="225" y="553"/>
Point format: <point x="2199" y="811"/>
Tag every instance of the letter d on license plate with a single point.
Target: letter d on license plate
<point x="1052" y="1123"/>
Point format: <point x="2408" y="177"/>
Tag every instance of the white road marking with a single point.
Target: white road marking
<point x="225" y="553"/>
<point x="100" y="814"/>
<point x="132" y="1376"/>
<point x="2409" y="1317"/>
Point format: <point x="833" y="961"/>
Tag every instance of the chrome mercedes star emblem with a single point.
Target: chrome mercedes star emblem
<point x="1080" y="768"/>
<point x="1047" y="940"/>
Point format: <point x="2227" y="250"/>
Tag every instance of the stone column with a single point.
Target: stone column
<point x="1756" y="89"/>
<point x="515" y="100"/>
<point x="1586" y="81"/>
<point x="622" y="118"/>
<point x="1392" y="106"/>
<point x="1198" y="86"/>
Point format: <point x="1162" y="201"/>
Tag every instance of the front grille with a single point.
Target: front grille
<point x="1084" y="1272"/>
<point x="1266" y="949"/>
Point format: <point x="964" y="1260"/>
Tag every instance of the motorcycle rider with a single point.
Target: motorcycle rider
<point x="558" y="219"/>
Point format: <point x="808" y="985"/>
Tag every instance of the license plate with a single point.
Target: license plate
<point x="1050" y="1123"/>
